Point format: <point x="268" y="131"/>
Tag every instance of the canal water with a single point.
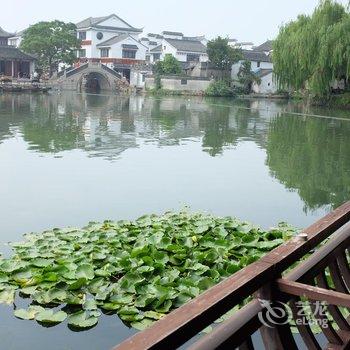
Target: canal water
<point x="67" y="159"/>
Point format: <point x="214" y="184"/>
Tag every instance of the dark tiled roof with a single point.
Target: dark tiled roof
<point x="198" y="38"/>
<point x="5" y="34"/>
<point x="157" y="49"/>
<point x="266" y="46"/>
<point x="136" y="30"/>
<point x="144" y="39"/>
<point x="130" y="47"/>
<point x="172" y="33"/>
<point x="157" y="36"/>
<point x="12" y="53"/>
<point x="153" y="43"/>
<point x="87" y="22"/>
<point x="255" y="56"/>
<point x="113" y="40"/>
<point x="263" y="72"/>
<point x="94" y="21"/>
<point x="187" y="45"/>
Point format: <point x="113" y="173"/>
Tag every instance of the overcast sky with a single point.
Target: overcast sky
<point x="246" y="20"/>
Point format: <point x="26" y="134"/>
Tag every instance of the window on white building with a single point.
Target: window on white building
<point x="104" y="52"/>
<point x="13" y="42"/>
<point x="81" y="53"/>
<point x="156" y="56"/>
<point x="192" y="57"/>
<point x="82" y="35"/>
<point x="129" y="53"/>
<point x="258" y="64"/>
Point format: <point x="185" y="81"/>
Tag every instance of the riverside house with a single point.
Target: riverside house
<point x="183" y="48"/>
<point x="112" y="41"/>
<point x="13" y="62"/>
<point x="261" y="65"/>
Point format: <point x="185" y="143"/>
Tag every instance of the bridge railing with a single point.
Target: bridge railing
<point x="323" y="275"/>
<point x="77" y="70"/>
<point x="111" y="71"/>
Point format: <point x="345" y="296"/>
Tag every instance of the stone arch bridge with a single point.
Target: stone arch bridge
<point x="91" y="75"/>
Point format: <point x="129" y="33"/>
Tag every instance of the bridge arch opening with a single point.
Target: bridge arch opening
<point x="94" y="82"/>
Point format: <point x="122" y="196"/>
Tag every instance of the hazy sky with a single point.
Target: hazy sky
<point x="246" y="20"/>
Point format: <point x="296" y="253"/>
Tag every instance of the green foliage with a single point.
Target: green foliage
<point x="219" y="88"/>
<point x="52" y="42"/>
<point x="247" y="77"/>
<point x="157" y="82"/>
<point x="170" y="65"/>
<point x="312" y="51"/>
<point x="141" y="270"/>
<point x="310" y="156"/>
<point x="221" y="54"/>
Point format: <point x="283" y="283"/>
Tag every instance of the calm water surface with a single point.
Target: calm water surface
<point x="69" y="159"/>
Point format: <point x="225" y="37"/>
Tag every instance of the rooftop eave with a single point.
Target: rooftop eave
<point x="135" y="30"/>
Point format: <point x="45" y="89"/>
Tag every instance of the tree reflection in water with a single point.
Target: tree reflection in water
<point x="307" y="154"/>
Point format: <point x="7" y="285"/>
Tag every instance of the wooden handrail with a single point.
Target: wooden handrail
<point x="313" y="293"/>
<point x="187" y="321"/>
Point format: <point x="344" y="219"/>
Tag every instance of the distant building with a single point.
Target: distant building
<point x="244" y="45"/>
<point x="183" y="48"/>
<point x="13" y="62"/>
<point x="261" y="64"/>
<point x="266" y="47"/>
<point x="267" y="83"/>
<point x="112" y="41"/>
<point x="16" y="39"/>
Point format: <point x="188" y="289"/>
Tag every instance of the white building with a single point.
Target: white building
<point x="16" y="39"/>
<point x="183" y="48"/>
<point x="261" y="65"/>
<point x="244" y="45"/>
<point x="111" y="41"/>
<point x="267" y="83"/>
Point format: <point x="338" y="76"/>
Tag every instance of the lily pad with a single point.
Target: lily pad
<point x="141" y="270"/>
<point x="28" y="314"/>
<point x="49" y="316"/>
<point x="82" y="320"/>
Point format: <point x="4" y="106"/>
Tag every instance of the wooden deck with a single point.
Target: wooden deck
<point x="280" y="278"/>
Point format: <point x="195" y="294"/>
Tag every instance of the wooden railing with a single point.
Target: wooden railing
<point x="324" y="249"/>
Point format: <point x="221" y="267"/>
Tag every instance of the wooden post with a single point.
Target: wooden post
<point x="275" y="336"/>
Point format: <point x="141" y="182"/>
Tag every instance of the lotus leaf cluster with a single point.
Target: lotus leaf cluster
<point x="139" y="270"/>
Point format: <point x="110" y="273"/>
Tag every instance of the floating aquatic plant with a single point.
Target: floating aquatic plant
<point x="140" y="270"/>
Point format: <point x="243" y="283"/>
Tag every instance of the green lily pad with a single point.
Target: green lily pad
<point x="28" y="314"/>
<point x="81" y="319"/>
<point x="7" y="296"/>
<point x="49" y="316"/>
<point x="85" y="271"/>
<point x="142" y="325"/>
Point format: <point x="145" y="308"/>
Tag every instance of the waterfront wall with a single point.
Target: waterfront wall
<point x="182" y="84"/>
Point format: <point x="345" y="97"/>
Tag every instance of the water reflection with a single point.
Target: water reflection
<point x="307" y="154"/>
<point x="106" y="126"/>
<point x="311" y="155"/>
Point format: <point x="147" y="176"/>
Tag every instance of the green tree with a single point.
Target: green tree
<point x="246" y="77"/>
<point x="312" y="51"/>
<point x="222" y="55"/>
<point x="170" y="65"/>
<point x="52" y="42"/>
